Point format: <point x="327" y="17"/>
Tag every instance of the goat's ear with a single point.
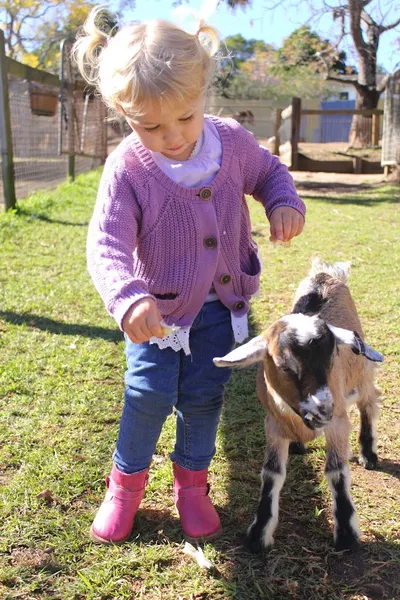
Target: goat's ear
<point x="243" y="356"/>
<point x="351" y="338"/>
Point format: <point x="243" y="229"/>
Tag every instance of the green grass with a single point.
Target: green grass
<point x="61" y="393"/>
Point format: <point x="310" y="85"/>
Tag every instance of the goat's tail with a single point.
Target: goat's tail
<point x="339" y="270"/>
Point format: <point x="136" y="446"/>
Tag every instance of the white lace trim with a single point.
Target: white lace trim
<point x="179" y="339"/>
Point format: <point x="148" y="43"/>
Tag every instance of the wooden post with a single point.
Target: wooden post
<point x="278" y="122"/>
<point x="357" y="165"/>
<point x="375" y="129"/>
<point x="5" y="132"/>
<point x="295" y="133"/>
<point x="71" y="133"/>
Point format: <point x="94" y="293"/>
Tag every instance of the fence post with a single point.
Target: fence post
<point x="5" y="132"/>
<point x="278" y="123"/>
<point x="295" y="133"/>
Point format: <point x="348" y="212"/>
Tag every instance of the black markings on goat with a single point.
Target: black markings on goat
<point x="307" y="385"/>
<point x="346" y="534"/>
<point x="309" y="304"/>
<point x="255" y="536"/>
<point x="368" y="456"/>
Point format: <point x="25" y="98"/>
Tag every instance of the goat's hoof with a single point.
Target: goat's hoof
<point x="254" y="542"/>
<point x="297" y="448"/>
<point x="254" y="546"/>
<point x="346" y="541"/>
<point x="369" y="462"/>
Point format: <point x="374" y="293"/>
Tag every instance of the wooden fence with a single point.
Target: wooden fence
<point x="50" y="127"/>
<point x="300" y="162"/>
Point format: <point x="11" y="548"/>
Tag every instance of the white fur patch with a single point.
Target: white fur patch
<point x="243" y="356"/>
<point x="304" y="326"/>
<point x="318" y="406"/>
<point x="269" y="529"/>
<point x="340" y="270"/>
<point x="343" y="336"/>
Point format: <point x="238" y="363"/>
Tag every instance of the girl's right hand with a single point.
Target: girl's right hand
<point x="142" y="321"/>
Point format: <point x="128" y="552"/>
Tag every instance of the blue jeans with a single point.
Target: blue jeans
<point x="157" y="380"/>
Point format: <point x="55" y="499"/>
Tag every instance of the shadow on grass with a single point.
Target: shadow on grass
<point x="365" y="201"/>
<point x="46" y="324"/>
<point x="32" y="214"/>
<point x="303" y="563"/>
<point x="385" y="466"/>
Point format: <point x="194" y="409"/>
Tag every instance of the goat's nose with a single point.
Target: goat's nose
<point x="317" y="410"/>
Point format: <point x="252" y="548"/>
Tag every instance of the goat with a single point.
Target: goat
<point x="314" y="365"/>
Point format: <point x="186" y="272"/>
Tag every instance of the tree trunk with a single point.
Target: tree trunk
<point x="394" y="175"/>
<point x="361" y="127"/>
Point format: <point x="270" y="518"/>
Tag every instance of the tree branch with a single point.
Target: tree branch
<point x="368" y="19"/>
<point x="383" y="28"/>
<point x="341" y="79"/>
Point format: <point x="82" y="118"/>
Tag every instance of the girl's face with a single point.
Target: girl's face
<point x="171" y="130"/>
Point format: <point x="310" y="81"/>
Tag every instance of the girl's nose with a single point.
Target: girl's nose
<point x="171" y="136"/>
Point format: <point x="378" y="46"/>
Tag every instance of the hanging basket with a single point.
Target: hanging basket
<point x="44" y="101"/>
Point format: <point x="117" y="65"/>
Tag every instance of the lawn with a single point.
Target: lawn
<point x="61" y="392"/>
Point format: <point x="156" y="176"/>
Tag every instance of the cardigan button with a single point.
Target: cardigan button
<point x="239" y="305"/>
<point x="225" y="278"/>
<point x="206" y="193"/>
<point x="210" y="243"/>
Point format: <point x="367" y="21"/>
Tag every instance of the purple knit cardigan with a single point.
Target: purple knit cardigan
<point x="150" y="237"/>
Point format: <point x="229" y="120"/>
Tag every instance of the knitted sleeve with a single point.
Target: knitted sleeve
<point x="111" y="241"/>
<point x="265" y="177"/>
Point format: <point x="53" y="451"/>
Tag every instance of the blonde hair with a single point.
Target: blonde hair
<point x="145" y="62"/>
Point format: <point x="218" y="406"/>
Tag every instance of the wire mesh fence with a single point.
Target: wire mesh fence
<point x="47" y="129"/>
<point x="34" y="142"/>
<point x="35" y="138"/>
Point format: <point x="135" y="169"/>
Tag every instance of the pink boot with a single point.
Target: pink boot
<point x="199" y="518"/>
<point x="114" y="520"/>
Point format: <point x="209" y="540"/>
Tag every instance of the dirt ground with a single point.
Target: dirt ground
<point x="313" y="184"/>
<point x="307" y="183"/>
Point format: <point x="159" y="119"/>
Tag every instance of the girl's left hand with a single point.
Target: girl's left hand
<point x="285" y="224"/>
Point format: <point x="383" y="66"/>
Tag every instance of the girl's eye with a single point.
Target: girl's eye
<point x="151" y="128"/>
<point x="187" y="118"/>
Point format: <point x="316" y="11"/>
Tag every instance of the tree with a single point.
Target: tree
<point x="364" y="21"/>
<point x="304" y="47"/>
<point x="259" y="70"/>
<point x="33" y="29"/>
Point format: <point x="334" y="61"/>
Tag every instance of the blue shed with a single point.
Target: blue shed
<point x="336" y="128"/>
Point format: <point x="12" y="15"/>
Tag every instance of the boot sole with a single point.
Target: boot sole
<point x="203" y="538"/>
<point x="99" y="540"/>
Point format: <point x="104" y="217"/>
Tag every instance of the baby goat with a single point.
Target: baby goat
<point x="313" y="366"/>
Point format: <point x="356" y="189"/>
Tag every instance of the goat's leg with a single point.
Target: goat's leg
<point x="261" y="532"/>
<point x="346" y="530"/>
<point x="368" y="407"/>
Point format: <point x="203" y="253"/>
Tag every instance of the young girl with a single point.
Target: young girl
<point x="171" y="254"/>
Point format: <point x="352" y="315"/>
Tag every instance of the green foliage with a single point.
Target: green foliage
<point x="258" y="70"/>
<point x="34" y="28"/>
<point x="304" y="47"/>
